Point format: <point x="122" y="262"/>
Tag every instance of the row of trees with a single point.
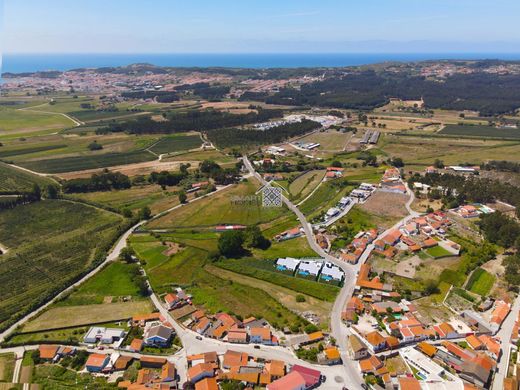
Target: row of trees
<point x="233" y="243"/>
<point x="105" y="181"/>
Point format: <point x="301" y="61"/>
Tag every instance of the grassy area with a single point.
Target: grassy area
<point x="92" y="161"/>
<point x="56" y="377"/>
<point x="187" y="269"/>
<point x="176" y="144"/>
<point x="327" y="195"/>
<point x="17" y="121"/>
<point x="265" y="270"/>
<point x="73" y="316"/>
<point x="115" y="280"/>
<point x="7" y="362"/>
<point x="480" y="131"/>
<point x="16" y="180"/>
<point x="297" y="247"/>
<point x="481" y="282"/>
<point x="452" y="277"/>
<point x="53" y="242"/>
<point x="438" y="252"/>
<point x="303" y="185"/>
<point x="221" y="209"/>
<point x="202" y="155"/>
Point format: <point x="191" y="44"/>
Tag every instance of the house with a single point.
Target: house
<point x="426" y="348"/>
<point x="292" y="381"/>
<point x="386" y="306"/>
<point x="446" y="331"/>
<point x="158" y="335"/>
<point x="359" y="350"/>
<point x="262" y="336"/>
<point x="96" y="362"/>
<point x="331" y="272"/>
<point x="287" y="264"/>
<point x="376" y="342"/>
<point x="331" y="356"/>
<point x="168" y="372"/>
<point x="142" y="319"/>
<point x="238" y="336"/>
<point x="312" y="377"/>
<point x="122" y="363"/>
<point x="409" y="383"/>
<point x="275" y="368"/>
<point x="491" y="345"/>
<point x="474" y="342"/>
<point x="172" y="301"/>
<point x="370" y="365"/>
<point x="392" y="237"/>
<point x="200" y="371"/>
<point x="476" y="373"/>
<point x="104" y="335"/>
<point x="363" y="280"/>
<point x="152" y="362"/>
<point x="136" y="345"/>
<point x="203" y="325"/>
<point x="310" y="268"/>
<point x="207" y="384"/>
<point x="500" y="312"/>
<point x="48" y="352"/>
<point x="234" y="359"/>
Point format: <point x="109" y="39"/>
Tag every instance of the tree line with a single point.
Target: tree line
<point x="104" y="181"/>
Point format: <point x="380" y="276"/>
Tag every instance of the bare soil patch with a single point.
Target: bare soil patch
<point x="386" y="205"/>
<point x="173" y="248"/>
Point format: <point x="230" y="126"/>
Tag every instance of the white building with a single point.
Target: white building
<point x="287" y="264"/>
<point x="332" y="212"/>
<point x="103" y="335"/>
<point x="310" y="267"/>
<point x="330" y="271"/>
<point x="427" y="367"/>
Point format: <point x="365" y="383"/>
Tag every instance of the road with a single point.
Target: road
<point x="504" y="334"/>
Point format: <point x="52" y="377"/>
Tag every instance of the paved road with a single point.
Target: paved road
<point x="505" y="346"/>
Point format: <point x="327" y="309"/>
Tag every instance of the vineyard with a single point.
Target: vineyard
<point x="80" y="163"/>
<point x="53" y="243"/>
<point x="15" y="180"/>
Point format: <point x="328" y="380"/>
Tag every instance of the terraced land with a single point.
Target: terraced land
<point x="16" y="180"/>
<point x="52" y="243"/>
<point x="80" y="163"/>
<point x="481" y="282"/>
<point x="304" y="184"/>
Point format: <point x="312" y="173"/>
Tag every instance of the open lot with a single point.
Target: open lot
<point x="304" y="184"/>
<point x="481" y="282"/>
<point x="70" y="316"/>
<point x="386" y="206"/>
<point x="480" y="131"/>
<point x="7" y="361"/>
<point x="176" y="143"/>
<point x="16" y="180"/>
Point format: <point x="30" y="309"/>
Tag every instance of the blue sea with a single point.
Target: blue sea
<point x="17" y="63"/>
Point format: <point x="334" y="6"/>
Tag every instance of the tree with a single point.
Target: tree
<point x="336" y="164"/>
<point x="397" y="162"/>
<point x="145" y="213"/>
<point x="95" y="146"/>
<point x="127" y="254"/>
<point x="51" y="191"/>
<point x="439" y="164"/>
<point x="230" y="243"/>
<point x="253" y="238"/>
<point x="35" y="356"/>
<point x="183" y="197"/>
<point x="36" y="192"/>
<point x="300" y="298"/>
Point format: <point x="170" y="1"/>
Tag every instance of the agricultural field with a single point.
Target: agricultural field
<point x="481" y="282"/>
<point x="202" y="155"/>
<point x="80" y="163"/>
<point x="479" y="131"/>
<point x="7" y="362"/>
<point x="304" y="184"/>
<point x="329" y="140"/>
<point x="15" y="123"/>
<point x="53" y="242"/>
<point x="220" y="209"/>
<point x="386" y="207"/>
<point x="327" y="195"/>
<point x="437" y="252"/>
<point x="176" y="143"/>
<point x="186" y="268"/>
<point x="133" y="198"/>
<point x="16" y="180"/>
<point x="53" y="376"/>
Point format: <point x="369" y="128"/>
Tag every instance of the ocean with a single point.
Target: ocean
<point x="17" y="63"/>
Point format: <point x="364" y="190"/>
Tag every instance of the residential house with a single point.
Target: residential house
<point x="446" y="331"/>
<point x="152" y="362"/>
<point x="168" y="372"/>
<point x="287" y="264"/>
<point x="262" y="336"/>
<point x="207" y="384"/>
<point x="371" y="365"/>
<point x="158" y="335"/>
<point x="103" y="335"/>
<point x="312" y="377"/>
<point x="292" y="381"/>
<point x="136" y="345"/>
<point x="48" y="352"/>
<point x="200" y="371"/>
<point x="376" y="342"/>
<point x="238" y="336"/>
<point x="96" y="362"/>
<point x="234" y="359"/>
<point x="359" y="349"/>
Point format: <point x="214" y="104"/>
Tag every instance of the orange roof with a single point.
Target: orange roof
<point x="409" y="383"/>
<point x="370" y="364"/>
<point x="206" y="384"/>
<point x="168" y="371"/>
<point x="48" y="351"/>
<point x="392" y="237"/>
<point x="144" y="376"/>
<point x="500" y="312"/>
<point x="332" y="353"/>
<point x="237" y="334"/>
<point x="375" y="338"/>
<point x="136" y="344"/>
<point x="264" y="333"/>
<point x="198" y="369"/>
<point x="392" y="341"/>
<point x="315" y="336"/>
<point x="276" y="368"/>
<point x="170" y="297"/>
<point x="96" y="360"/>
<point x="427" y="349"/>
<point x="510" y="384"/>
<point x="363" y="280"/>
<point x="491" y="344"/>
<point x="446" y="328"/>
<point x="406" y="332"/>
<point x="122" y="362"/>
<point x="249" y="377"/>
<point x="484" y="361"/>
<point x="234" y="359"/>
<point x="202" y="324"/>
<point x="150" y="359"/>
<point x="145" y="317"/>
<point x="473" y="342"/>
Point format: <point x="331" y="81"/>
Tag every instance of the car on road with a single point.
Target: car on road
<point x="256" y="347"/>
<point x="198" y="338"/>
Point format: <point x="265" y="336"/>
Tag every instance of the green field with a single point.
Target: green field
<point x="452" y="277"/>
<point x="304" y="184"/>
<point x="265" y="270"/>
<point x="80" y="163"/>
<point x="16" y="180"/>
<point x="221" y="209"/>
<point x="29" y="150"/>
<point x="56" y="377"/>
<point x="16" y="122"/>
<point x="438" y="252"/>
<point x="176" y="144"/>
<point x="52" y="243"/>
<point x="187" y="269"/>
<point x="115" y="280"/>
<point x="480" y="131"/>
<point x="7" y="361"/>
<point x="481" y="282"/>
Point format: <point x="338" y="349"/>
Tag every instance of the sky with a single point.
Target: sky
<point x="259" y="26"/>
